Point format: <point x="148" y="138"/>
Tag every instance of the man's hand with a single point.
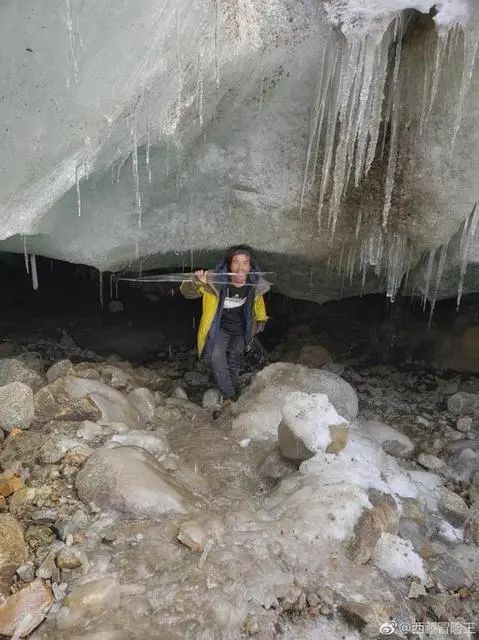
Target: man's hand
<point x="259" y="327"/>
<point x="201" y="274"/>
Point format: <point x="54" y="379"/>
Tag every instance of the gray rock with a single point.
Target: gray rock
<point x="431" y="462"/>
<point x="179" y="393"/>
<point x="12" y="370"/>
<point x="452" y="507"/>
<point x="70" y="525"/>
<point x="464" y="424"/>
<point x="16" y="406"/>
<point x="26" y="572"/>
<point x="13" y="551"/>
<point x="59" y="369"/>
<point x="463" y="403"/>
<point x="195" y="379"/>
<point x="130" y="481"/>
<point x="144" y="401"/>
<point x="211" y="400"/>
<point x="87" y="602"/>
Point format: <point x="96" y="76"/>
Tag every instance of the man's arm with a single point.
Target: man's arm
<point x="260" y="314"/>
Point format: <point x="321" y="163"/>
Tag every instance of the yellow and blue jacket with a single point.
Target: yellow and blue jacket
<point x="213" y="294"/>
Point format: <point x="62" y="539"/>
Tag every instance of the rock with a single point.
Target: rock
<point x="130" y="481"/>
<point x="21" y="501"/>
<point x="26" y="572"/>
<point x="16" y="406"/>
<point x="87" y="602"/>
<point x="114" y="406"/>
<point x="396" y="557"/>
<point x="45" y="515"/>
<point x="305" y="426"/>
<point x="144" y="401"/>
<point x="211" y="400"/>
<point x="59" y="370"/>
<point x="117" y="377"/>
<point x="372" y="523"/>
<point x="67" y="527"/>
<point x="433" y="463"/>
<point x="464" y="424"/>
<point x="9" y="485"/>
<point x="463" y="403"/>
<point x="89" y="430"/>
<point x="53" y="402"/>
<point x="471" y="527"/>
<point x="452" y="507"/>
<point x="257" y="413"/>
<point x="147" y="440"/>
<point x="23" y="611"/>
<point x="13" y="550"/>
<point x="56" y="447"/>
<point x="193" y="535"/>
<point x="365" y="617"/>
<point x="180" y="393"/>
<point x="415" y="590"/>
<point x="195" y="379"/>
<point x="15" y="371"/>
<point x="313" y="355"/>
<point x="69" y="558"/>
<point x="38" y="535"/>
<point x="394" y="442"/>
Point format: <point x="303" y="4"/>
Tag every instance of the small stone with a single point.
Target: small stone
<point x="453" y="507"/>
<point x="115" y="306"/>
<point x="68" y="558"/>
<point x="68" y="526"/>
<point x="180" y="393"/>
<point x="416" y="589"/>
<point x="464" y="424"/>
<point x="13" y="550"/>
<point x="312" y="599"/>
<point x="193" y="535"/>
<point x="38" y="535"/>
<point x="21" y="501"/>
<point x="430" y="462"/>
<point x="372" y="523"/>
<point x="211" y="400"/>
<point x="26" y="572"/>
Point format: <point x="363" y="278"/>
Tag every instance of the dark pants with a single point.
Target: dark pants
<point x="226" y="357"/>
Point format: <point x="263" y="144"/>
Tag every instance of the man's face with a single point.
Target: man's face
<point x="240" y="267"/>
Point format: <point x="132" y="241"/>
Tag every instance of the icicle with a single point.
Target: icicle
<point x="100" y="282"/>
<point x="77" y="182"/>
<point x="439" y="272"/>
<point x="468" y="234"/>
<point x="441" y="46"/>
<point x="430" y="264"/>
<point x="71" y="38"/>
<point x="470" y="53"/>
<point x="33" y="265"/>
<point x="311" y="277"/>
<point x="194" y="322"/>
<point x="148" y="135"/>
<point x="25" y="255"/>
<point x="111" y="286"/>
<point x="358" y="223"/>
<point x="199" y="90"/>
<point x="394" y="141"/>
<point x="136" y="175"/>
<point x="167" y="158"/>
<point x="169" y="351"/>
<point x="217" y="65"/>
<point x="191" y="259"/>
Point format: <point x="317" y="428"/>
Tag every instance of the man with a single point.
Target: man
<point x="233" y="312"/>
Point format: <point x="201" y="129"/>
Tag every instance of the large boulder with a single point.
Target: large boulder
<point x="130" y="481"/>
<point x="258" y="412"/>
<point x="23" y="611"/>
<point x="87" y="602"/>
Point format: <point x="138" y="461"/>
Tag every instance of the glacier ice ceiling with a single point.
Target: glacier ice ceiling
<point x="339" y="137"/>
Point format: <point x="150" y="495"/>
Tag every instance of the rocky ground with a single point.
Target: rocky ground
<point x="331" y="499"/>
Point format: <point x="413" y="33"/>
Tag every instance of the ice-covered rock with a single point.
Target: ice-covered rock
<point x="87" y="602"/>
<point x="258" y="412"/>
<point x="395" y="556"/>
<point x="130" y="481"/>
<point x="310" y="424"/>
<point x="392" y="441"/>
